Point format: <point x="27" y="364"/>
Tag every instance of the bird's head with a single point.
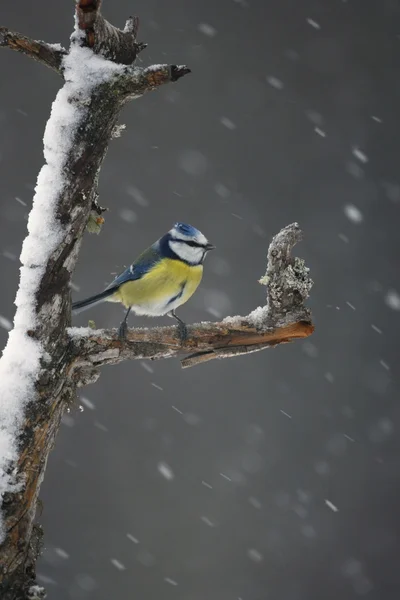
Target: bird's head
<point x="188" y="243"/>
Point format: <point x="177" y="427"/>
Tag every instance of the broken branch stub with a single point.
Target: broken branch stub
<point x="115" y="44"/>
<point x="287" y="280"/>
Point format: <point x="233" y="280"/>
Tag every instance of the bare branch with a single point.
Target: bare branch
<point x="202" y="357"/>
<point x="117" y="45"/>
<point x="137" y="81"/>
<point x="283" y="319"/>
<point x="47" y="54"/>
<point x="205" y="340"/>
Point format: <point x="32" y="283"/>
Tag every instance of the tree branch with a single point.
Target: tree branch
<point x="137" y="81"/>
<point x="47" y="54"/>
<point x="284" y="318"/>
<point x="35" y="382"/>
<point x="205" y="340"/>
<point x="113" y="43"/>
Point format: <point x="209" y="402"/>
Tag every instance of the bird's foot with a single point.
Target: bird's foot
<point x="122" y="331"/>
<point x="182" y="331"/>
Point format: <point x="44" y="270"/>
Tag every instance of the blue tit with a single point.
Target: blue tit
<point x="162" y="278"/>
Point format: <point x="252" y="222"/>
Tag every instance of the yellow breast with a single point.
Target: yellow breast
<point x="166" y="286"/>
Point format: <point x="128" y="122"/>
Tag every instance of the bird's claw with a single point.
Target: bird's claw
<point x="182" y="332"/>
<point x="122" y="331"/>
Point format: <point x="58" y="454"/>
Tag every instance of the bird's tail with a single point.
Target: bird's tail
<point x="81" y="305"/>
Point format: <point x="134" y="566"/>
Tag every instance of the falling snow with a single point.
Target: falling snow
<point x="330" y="505"/>
<point x="207" y="29"/>
<point x="88" y="403"/>
<point x="117" y="564"/>
<point x="392" y="299"/>
<point x="166" y="471"/>
<point x="228" y="123"/>
<point x="5" y="323"/>
<point x="255" y="502"/>
<point x="353" y="213"/>
<point x="285" y="414"/>
<point x="275" y="82"/>
<point x="313" y="23"/>
<point x="193" y="162"/>
<point x="138" y="196"/>
<point x="158" y="387"/>
<point x="319" y="132"/>
<point x="207" y="485"/>
<point x="361" y="156"/>
<point x="207" y="521"/>
<point x="254" y="555"/>
<point x="227" y="464"/>
<point x="128" y="215"/>
<point x="354" y="169"/>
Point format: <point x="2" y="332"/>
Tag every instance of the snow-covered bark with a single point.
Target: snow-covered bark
<point x="35" y="324"/>
<point x="35" y="381"/>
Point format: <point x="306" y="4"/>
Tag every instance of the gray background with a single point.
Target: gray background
<point x="260" y="529"/>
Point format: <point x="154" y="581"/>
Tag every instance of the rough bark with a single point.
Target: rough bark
<point x="40" y="51"/>
<point x="21" y="546"/>
<point x="113" y="43"/>
<point x="72" y="357"/>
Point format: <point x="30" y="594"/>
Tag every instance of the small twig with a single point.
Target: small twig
<point x="138" y="81"/>
<point x="132" y="26"/>
<point x="202" y="357"/>
<point x="46" y="54"/>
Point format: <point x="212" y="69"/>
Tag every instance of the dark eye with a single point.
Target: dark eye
<point x="194" y="244"/>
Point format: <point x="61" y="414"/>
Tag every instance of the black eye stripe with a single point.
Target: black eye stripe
<point x="194" y="244"/>
<point x="191" y="243"/>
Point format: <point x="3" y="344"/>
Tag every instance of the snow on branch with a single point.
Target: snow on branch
<point x="284" y="318"/>
<point x="35" y="386"/>
<point x="24" y="353"/>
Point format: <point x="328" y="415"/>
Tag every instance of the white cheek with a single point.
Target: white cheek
<point x="188" y="253"/>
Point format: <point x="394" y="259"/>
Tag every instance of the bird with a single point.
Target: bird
<point x="160" y="280"/>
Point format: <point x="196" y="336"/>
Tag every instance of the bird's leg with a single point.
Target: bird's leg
<point x="123" y="328"/>
<point x="182" y="329"/>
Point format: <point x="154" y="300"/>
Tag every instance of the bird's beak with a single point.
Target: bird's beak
<point x="209" y="247"/>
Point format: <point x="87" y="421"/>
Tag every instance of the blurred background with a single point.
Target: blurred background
<point x="269" y="477"/>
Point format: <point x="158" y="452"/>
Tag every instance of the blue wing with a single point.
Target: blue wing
<point x="138" y="268"/>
